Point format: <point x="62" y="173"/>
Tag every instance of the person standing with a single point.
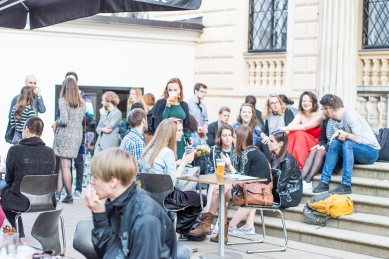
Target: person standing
<point x="252" y="100"/>
<point x="110" y="117"/>
<point x="68" y="129"/>
<point x="150" y="102"/>
<point x="353" y="140"/>
<point x="88" y="119"/>
<point x="198" y="109"/>
<point x="134" y="141"/>
<point x="37" y="104"/>
<point x="224" y="115"/>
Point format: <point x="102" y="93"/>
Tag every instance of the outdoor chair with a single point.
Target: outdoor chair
<point x="273" y="208"/>
<point x="82" y="241"/>
<point x="40" y="191"/>
<point x="46" y="231"/>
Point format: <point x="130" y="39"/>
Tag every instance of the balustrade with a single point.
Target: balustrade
<point x="266" y="70"/>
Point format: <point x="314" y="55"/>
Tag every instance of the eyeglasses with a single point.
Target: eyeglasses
<point x="274" y="103"/>
<point x="204" y="92"/>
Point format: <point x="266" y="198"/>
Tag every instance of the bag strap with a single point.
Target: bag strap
<point x="313" y="219"/>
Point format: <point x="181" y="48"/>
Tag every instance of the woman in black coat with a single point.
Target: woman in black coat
<point x="30" y="157"/>
<point x="287" y="184"/>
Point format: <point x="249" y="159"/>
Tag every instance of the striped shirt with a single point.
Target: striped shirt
<point x="26" y="114"/>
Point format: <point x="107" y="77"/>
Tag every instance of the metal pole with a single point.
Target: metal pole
<point x="221" y="220"/>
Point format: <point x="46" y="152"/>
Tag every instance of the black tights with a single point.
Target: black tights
<point x="313" y="164"/>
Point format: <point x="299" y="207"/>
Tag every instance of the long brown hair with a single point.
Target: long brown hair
<point x="26" y="98"/>
<point x="218" y="139"/>
<point x="280" y="135"/>
<point x="165" y="94"/>
<point x="138" y="99"/>
<point x="164" y="136"/>
<point x="266" y="111"/>
<point x="244" y="139"/>
<point x="254" y="120"/>
<point x="71" y="93"/>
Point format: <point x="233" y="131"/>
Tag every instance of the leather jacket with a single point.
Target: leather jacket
<point x="289" y="178"/>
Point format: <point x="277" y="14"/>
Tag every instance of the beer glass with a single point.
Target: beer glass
<point x="220" y="166"/>
<point x="173" y="101"/>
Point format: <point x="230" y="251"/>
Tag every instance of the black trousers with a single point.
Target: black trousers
<point x="79" y="165"/>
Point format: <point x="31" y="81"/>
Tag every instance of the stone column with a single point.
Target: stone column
<point x="338" y="50"/>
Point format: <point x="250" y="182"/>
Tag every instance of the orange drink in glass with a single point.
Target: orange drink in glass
<point x="220" y="166"/>
<point x="173" y="98"/>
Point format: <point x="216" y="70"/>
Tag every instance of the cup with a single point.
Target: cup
<point x="173" y="98"/>
<point x="11" y="241"/>
<point x="220" y="166"/>
<point x="189" y="150"/>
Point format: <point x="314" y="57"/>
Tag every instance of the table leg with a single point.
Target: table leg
<point x="221" y="220"/>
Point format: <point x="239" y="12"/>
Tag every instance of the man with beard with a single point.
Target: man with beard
<point x="134" y="141"/>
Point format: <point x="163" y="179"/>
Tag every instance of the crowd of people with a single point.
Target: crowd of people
<point x="153" y="139"/>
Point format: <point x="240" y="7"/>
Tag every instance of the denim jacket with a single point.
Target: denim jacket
<point x="256" y="132"/>
<point x="215" y="153"/>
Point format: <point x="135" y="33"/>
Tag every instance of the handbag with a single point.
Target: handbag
<point x="17" y="138"/>
<point x="252" y="194"/>
<point x="9" y="136"/>
<point x="201" y="162"/>
<point x="186" y="186"/>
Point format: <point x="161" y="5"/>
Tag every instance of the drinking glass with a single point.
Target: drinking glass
<point x="11" y="243"/>
<point x="189" y="150"/>
<point x="173" y="101"/>
<point x="220" y="166"/>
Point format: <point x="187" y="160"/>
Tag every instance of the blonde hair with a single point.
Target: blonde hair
<point x="111" y="97"/>
<point x="138" y="99"/>
<point x="164" y="136"/>
<point x="114" y="162"/>
<point x="266" y="110"/>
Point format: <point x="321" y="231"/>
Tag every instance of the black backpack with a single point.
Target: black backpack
<point x="383" y="139"/>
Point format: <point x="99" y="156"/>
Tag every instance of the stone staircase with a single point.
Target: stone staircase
<point x="366" y="231"/>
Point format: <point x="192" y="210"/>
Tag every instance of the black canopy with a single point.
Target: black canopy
<point x="42" y="13"/>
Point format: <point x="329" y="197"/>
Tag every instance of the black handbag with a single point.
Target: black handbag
<point x="201" y="162"/>
<point x="9" y="136"/>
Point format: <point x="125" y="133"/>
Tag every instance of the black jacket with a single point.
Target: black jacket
<point x="134" y="226"/>
<point x="289" y="180"/>
<point x="258" y="113"/>
<point x="215" y="153"/>
<point x="289" y="116"/>
<point x="212" y="132"/>
<point x="158" y="111"/>
<point x="323" y="141"/>
<point x="30" y="157"/>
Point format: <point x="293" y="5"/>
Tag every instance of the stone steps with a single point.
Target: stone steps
<point x="357" y="242"/>
<point x="378" y="170"/>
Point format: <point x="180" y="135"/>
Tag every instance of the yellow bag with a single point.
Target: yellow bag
<point x="334" y="205"/>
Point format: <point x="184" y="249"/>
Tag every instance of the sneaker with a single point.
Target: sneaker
<point x="76" y="195"/>
<point x="68" y="199"/>
<point x="215" y="230"/>
<point x="57" y="196"/>
<point x="232" y="231"/>
<point x="342" y="189"/>
<point x="63" y="193"/>
<point x="307" y="185"/>
<point x="322" y="187"/>
<point x="246" y="231"/>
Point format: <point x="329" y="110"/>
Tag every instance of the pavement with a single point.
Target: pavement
<point x="73" y="213"/>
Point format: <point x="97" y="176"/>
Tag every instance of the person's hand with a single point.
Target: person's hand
<point x="226" y="158"/>
<point x="321" y="148"/>
<point x="37" y="91"/>
<point x="169" y="101"/>
<point x="93" y="201"/>
<point x="314" y="147"/>
<point x="102" y="111"/>
<point x="343" y="136"/>
<point x="335" y="135"/>
<point x="54" y="126"/>
<point x="106" y="130"/>
<point x="188" y="158"/>
<point x="265" y="140"/>
<point x="205" y="130"/>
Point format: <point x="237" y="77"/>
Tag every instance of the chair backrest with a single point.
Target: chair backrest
<point x="82" y="241"/>
<point x="157" y="186"/>
<point x="40" y="190"/>
<point x="46" y="230"/>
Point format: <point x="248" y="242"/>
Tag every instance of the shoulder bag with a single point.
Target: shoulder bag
<point x="186" y="186"/>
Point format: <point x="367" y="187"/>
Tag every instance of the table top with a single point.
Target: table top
<point x="221" y="180"/>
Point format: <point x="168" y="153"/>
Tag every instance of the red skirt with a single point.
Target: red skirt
<point x="300" y="142"/>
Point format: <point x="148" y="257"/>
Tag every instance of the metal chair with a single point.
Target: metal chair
<point x="82" y="241"/>
<point x="46" y="231"/>
<point x="275" y="173"/>
<point x="40" y="192"/>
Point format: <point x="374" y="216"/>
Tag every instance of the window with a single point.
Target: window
<point x="375" y="24"/>
<point x="268" y="25"/>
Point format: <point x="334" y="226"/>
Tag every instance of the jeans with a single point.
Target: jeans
<point x="79" y="165"/>
<point x="351" y="152"/>
<point x="11" y="215"/>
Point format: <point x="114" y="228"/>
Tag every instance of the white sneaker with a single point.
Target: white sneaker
<point x="307" y="185"/>
<point x="246" y="231"/>
<point x="232" y="231"/>
<point x="76" y="195"/>
<point x="215" y="230"/>
<point x="63" y="193"/>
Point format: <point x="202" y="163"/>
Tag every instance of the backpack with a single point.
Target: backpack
<point x="383" y="139"/>
<point x="332" y="205"/>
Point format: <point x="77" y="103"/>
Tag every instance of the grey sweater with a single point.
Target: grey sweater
<point x="354" y="123"/>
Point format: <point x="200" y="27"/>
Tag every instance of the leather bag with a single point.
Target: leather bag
<point x="9" y="136"/>
<point x="245" y="194"/>
<point x="186" y="186"/>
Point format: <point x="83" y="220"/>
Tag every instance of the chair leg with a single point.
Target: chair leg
<point x="17" y="221"/>
<point x="282" y="249"/>
<point x="63" y="235"/>
<point x="253" y="241"/>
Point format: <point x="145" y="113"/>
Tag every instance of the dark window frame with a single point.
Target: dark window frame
<point x="255" y="40"/>
<point x="370" y="40"/>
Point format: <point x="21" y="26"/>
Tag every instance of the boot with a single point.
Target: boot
<point x="216" y="238"/>
<point x="204" y="227"/>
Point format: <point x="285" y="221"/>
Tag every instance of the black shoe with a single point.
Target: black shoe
<point x="342" y="189"/>
<point x="68" y="199"/>
<point x="322" y="187"/>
